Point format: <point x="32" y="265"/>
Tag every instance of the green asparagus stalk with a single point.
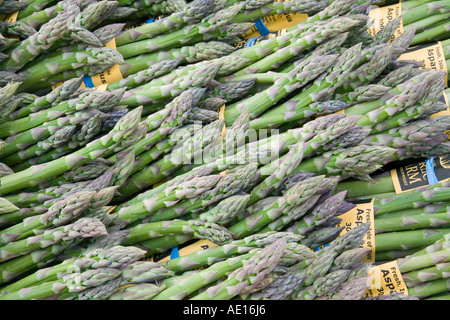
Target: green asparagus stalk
<point x="185" y="190"/>
<point x="398" y="240"/>
<point x="248" y="278"/>
<point x="149" y="93"/>
<point x="89" y="98"/>
<point x="308" y="70"/>
<point x="198" y="228"/>
<point x="140" y="291"/>
<point x="192" y="13"/>
<point x="271" y="210"/>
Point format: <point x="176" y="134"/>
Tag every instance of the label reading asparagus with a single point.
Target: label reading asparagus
<point x="385" y="279"/>
<point x="415" y="175"/>
<point x="194" y="247"/>
<point x="381" y="16"/>
<point x="362" y="213"/>
<point x="432" y="57"/>
<point x="275" y="23"/>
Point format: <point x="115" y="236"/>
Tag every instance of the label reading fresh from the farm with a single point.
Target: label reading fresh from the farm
<point x="381" y="16"/>
<point x="362" y="213"/>
<point x="417" y="175"/>
<point x="385" y="279"/>
<point x="432" y="57"/>
<point x="194" y="247"/>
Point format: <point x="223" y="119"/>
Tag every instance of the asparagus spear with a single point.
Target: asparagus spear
<point x="208" y="24"/>
<point x="193" y="12"/>
<point x="248" y="278"/>
<point x="274" y="208"/>
<point x="197" y="228"/>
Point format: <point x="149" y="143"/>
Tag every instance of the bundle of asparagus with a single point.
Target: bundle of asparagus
<point x="170" y="132"/>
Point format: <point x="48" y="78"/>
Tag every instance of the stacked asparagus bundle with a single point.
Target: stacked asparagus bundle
<point x="429" y="19"/>
<point x="425" y="272"/>
<point x="199" y="140"/>
<point x="405" y="222"/>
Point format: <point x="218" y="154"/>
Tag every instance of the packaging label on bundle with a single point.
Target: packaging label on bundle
<point x="431" y="56"/>
<point x="385" y="279"/>
<point x="252" y="41"/>
<point x="101" y="81"/>
<point x="188" y="249"/>
<point x="381" y="16"/>
<point x="360" y="214"/>
<point x="420" y="174"/>
<point x="275" y="23"/>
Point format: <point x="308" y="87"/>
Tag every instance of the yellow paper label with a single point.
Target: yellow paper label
<point x="194" y="247"/>
<point x="12" y="17"/>
<point x="432" y="57"/>
<point x="362" y="213"/>
<point x="222" y="117"/>
<point x="381" y="16"/>
<point x="111" y="210"/>
<point x="385" y="279"/>
<point x="415" y="175"/>
<point x="277" y="23"/>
